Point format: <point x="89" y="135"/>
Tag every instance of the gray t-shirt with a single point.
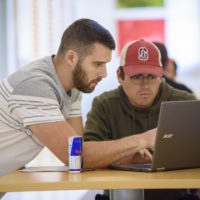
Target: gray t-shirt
<point x="33" y="94"/>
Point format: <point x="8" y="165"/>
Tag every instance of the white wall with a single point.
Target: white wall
<point x="3" y="63"/>
<point x="183" y="29"/>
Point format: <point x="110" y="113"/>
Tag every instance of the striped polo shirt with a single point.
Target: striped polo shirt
<point x="33" y="94"/>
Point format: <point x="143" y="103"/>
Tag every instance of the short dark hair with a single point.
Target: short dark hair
<point x="82" y="34"/>
<point x="174" y="63"/>
<point x="163" y="52"/>
<point x="121" y="72"/>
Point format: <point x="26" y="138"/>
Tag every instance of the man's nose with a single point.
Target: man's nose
<point x="144" y="81"/>
<point x="103" y="72"/>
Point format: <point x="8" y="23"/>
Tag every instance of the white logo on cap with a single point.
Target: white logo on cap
<point x="143" y="53"/>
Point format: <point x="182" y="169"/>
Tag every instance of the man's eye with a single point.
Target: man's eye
<point x="136" y="77"/>
<point x="151" y="77"/>
<point x="98" y="64"/>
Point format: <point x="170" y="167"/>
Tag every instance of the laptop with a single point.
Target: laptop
<point x="177" y="144"/>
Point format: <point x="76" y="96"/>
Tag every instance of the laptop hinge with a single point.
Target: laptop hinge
<point x="160" y="169"/>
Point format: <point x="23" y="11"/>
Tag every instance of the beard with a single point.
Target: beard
<point x="81" y="81"/>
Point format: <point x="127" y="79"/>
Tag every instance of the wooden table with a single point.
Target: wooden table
<point x="99" y="179"/>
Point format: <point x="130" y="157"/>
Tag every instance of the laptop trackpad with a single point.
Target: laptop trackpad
<point x="133" y="167"/>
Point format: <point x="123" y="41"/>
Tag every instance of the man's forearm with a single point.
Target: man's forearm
<point x="54" y="135"/>
<point x="101" y="154"/>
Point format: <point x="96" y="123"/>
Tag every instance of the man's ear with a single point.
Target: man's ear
<point x="119" y="76"/>
<point x="71" y="57"/>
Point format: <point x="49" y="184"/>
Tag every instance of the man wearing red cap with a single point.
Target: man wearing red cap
<point x="133" y="108"/>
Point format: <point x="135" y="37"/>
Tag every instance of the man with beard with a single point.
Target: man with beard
<point x="133" y="108"/>
<point x="40" y="103"/>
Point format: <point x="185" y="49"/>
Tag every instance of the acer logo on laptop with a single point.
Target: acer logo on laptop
<point x="167" y="136"/>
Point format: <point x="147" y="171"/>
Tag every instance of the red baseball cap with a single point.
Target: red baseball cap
<point x="139" y="57"/>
